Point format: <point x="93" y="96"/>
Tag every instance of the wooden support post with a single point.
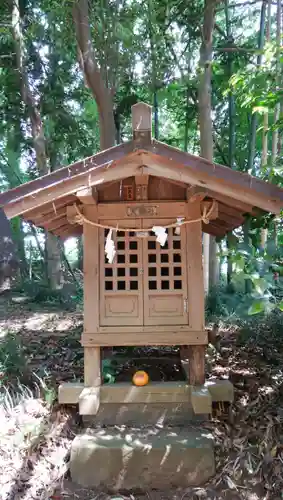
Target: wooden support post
<point x="92" y="364"/>
<point x="197" y="364"/>
<point x="92" y="371"/>
<point x="196" y="354"/>
<point x="185" y="357"/>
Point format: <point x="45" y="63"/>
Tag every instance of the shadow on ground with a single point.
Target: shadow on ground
<point x="249" y="437"/>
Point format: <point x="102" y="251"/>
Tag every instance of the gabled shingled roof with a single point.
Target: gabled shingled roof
<point x="239" y="193"/>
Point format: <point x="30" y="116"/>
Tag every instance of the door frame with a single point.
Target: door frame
<point x="143" y="300"/>
<point x="182" y="293"/>
<point x="114" y="294"/>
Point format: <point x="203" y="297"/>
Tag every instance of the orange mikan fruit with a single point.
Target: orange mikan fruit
<point x="140" y="378"/>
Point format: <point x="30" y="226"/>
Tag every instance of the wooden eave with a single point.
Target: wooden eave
<point x="44" y="200"/>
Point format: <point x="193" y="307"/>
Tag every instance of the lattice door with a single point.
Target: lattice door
<point x="165" y="280"/>
<point x="121" y="294"/>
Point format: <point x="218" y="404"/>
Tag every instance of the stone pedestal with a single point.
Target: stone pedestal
<point x="141" y="459"/>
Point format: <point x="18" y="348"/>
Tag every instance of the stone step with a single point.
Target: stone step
<point x="139" y="459"/>
<point x="144" y="414"/>
<point x="165" y="403"/>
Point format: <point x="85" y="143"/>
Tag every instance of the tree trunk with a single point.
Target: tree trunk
<point x="27" y="97"/>
<point x="229" y="262"/>
<point x="252" y="143"/>
<point x="264" y="154"/>
<point x="263" y="238"/>
<point x="247" y="225"/>
<point x="20" y="238"/>
<point x="54" y="247"/>
<point x="54" y="263"/>
<point x="93" y="77"/>
<point x="276" y="140"/>
<point x="53" y="256"/>
<point x="275" y="134"/>
<point x="80" y="253"/>
<point x="232" y="128"/>
<point x="153" y="68"/>
<point x="205" y="120"/>
<point x="213" y="263"/>
<point x="187" y="123"/>
<point x="231" y="99"/>
<point x="205" y="246"/>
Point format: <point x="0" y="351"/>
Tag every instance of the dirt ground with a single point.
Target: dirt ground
<point x="35" y="435"/>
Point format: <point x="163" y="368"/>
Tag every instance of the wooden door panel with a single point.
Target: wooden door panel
<point x="165" y="279"/>
<point x="166" y="305"/>
<point x="121" y="286"/>
<point x="121" y="309"/>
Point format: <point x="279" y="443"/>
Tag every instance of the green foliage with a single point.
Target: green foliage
<point x="145" y="51"/>
<point x="214" y="305"/>
<point x="263" y="331"/>
<point x="109" y="370"/>
<point x="13" y="364"/>
<point x="258" y="266"/>
<point x="39" y="292"/>
<point x="46" y="391"/>
<point x="255" y="90"/>
<point x="222" y="302"/>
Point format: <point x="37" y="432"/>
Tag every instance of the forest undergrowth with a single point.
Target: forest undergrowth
<point x="40" y="349"/>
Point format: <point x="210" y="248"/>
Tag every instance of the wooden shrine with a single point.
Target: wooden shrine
<point x="148" y="293"/>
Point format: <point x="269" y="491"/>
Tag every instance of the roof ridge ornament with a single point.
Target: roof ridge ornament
<point x="142" y="123"/>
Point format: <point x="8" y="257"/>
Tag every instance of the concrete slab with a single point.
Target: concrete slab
<point x="119" y="459"/>
<point x="69" y="393"/>
<point x="89" y="401"/>
<point x="201" y="400"/>
<point x="143" y="414"/>
<point x="154" y="392"/>
<point x="220" y="390"/>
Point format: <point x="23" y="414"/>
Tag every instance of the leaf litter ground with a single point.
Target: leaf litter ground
<point x="35" y="437"/>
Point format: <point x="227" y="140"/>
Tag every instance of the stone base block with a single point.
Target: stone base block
<point x="201" y="400"/>
<point x="136" y="459"/>
<point x="220" y="390"/>
<point x="142" y="414"/>
<point x="89" y="401"/>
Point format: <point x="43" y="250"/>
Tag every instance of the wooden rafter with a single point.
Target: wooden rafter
<point x="45" y="219"/>
<point x="56" y="224"/>
<point x="49" y="208"/>
<point x="230" y="220"/>
<point x="214" y="229"/>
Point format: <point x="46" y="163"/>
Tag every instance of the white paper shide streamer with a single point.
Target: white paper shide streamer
<point x="161" y="235"/>
<point x="159" y="231"/>
<point x="110" y="247"/>
<point x="180" y="221"/>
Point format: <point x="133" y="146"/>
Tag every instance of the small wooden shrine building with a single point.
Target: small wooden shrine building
<point x="142" y="207"/>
